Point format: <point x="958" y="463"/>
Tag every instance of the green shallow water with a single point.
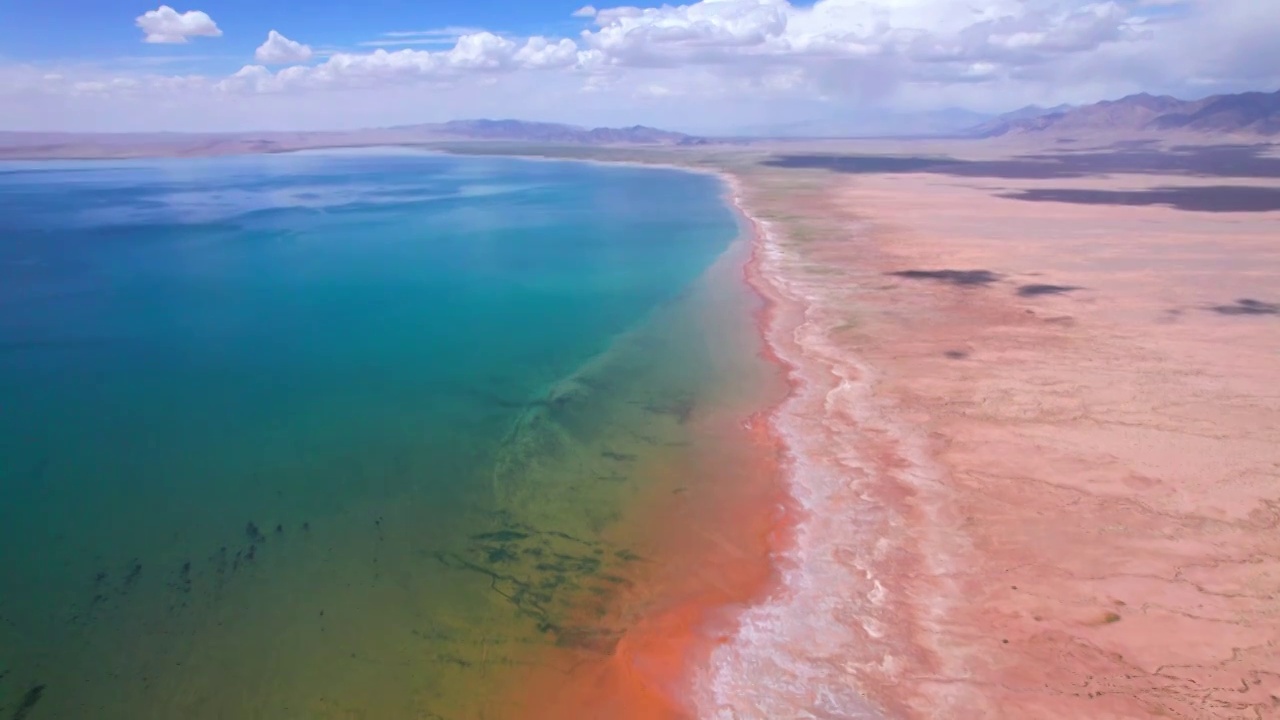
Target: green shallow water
<point x="330" y="435"/>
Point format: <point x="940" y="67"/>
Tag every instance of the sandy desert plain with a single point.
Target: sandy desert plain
<point x="1059" y="376"/>
<point x="1038" y="400"/>
<point x="1035" y="420"/>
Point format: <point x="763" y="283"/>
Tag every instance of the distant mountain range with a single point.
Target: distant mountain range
<point x="1248" y="114"/>
<point x="105" y="145"/>
<point x="1034" y="111"/>
<point x="944" y="122"/>
<point x="558" y="133"/>
<point x="1251" y="113"/>
<point x="1245" y="114"/>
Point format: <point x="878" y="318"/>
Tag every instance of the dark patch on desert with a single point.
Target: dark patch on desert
<point x="1247" y="306"/>
<point x="1037" y="289"/>
<point x="1136" y="157"/>
<point x="961" y="278"/>
<point x="1213" y="198"/>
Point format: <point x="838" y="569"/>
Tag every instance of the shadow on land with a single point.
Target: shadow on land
<point x="983" y="278"/>
<point x="1136" y="157"/>
<point x="1214" y="198"/>
<point x="1036" y="290"/>
<point x="962" y="278"/>
<point x="1247" y="306"/>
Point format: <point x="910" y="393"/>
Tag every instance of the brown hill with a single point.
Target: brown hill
<point x="1253" y="113"/>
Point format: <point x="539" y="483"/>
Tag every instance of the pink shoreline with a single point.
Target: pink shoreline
<point x="784" y="658"/>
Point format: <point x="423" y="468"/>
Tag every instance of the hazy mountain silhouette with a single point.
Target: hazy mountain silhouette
<point x="91" y="145"/>
<point x="1251" y="113"/>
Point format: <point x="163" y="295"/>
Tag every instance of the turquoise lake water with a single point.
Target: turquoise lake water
<point x="326" y="434"/>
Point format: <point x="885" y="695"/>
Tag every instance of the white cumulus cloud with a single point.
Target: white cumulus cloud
<point x="539" y="52"/>
<point x="280" y="50"/>
<point x="166" y="25"/>
<point x="476" y="54"/>
<point x="1011" y="32"/>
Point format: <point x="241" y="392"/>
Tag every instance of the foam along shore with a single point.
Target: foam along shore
<point x="1032" y="444"/>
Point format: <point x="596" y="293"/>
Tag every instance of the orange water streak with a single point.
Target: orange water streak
<point x="711" y="546"/>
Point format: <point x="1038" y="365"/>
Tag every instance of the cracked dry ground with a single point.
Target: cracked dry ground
<point x="1099" y="388"/>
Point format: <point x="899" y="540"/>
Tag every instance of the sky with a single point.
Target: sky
<point x="707" y="66"/>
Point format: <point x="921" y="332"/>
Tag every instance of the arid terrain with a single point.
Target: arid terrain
<point x="1049" y="384"/>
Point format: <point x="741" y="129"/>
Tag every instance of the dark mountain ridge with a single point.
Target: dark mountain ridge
<point x="1250" y="113"/>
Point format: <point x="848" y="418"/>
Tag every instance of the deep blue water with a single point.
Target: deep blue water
<point x="208" y="366"/>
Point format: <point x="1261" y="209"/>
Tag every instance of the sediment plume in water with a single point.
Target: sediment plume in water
<point x="699" y="529"/>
